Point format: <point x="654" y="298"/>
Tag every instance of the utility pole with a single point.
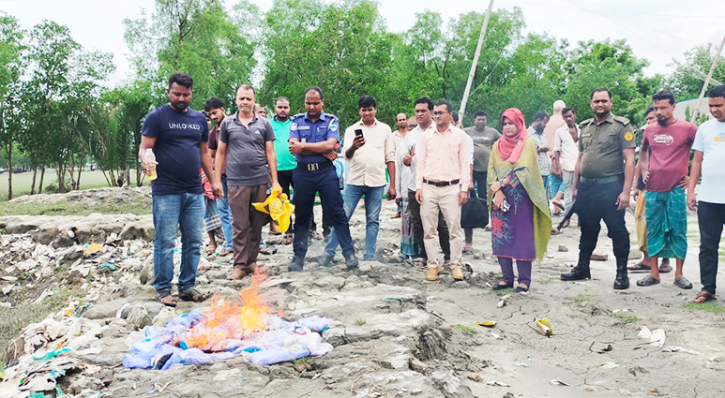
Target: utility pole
<point x="462" y="111"/>
<point x="707" y="80"/>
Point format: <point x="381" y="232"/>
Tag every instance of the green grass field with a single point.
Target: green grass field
<point x="22" y="181"/>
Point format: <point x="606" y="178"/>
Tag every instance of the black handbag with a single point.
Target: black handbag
<point x="474" y="214"/>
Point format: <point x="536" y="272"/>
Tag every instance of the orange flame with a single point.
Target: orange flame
<point x="228" y="319"/>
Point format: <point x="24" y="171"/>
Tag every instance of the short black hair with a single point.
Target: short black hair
<point x="455" y="116"/>
<point x="213" y="103"/>
<point x="479" y="114"/>
<point x="567" y="110"/>
<point x="206" y="114"/>
<point x="182" y="79"/>
<point x="664" y="95"/>
<point x="447" y="103"/>
<point x="424" y="100"/>
<point x="540" y="115"/>
<point x="281" y="99"/>
<point x="650" y="109"/>
<point x="246" y="87"/>
<point x="367" y="101"/>
<point x="314" y="88"/>
<point x="718" y="91"/>
<point x="600" y="89"/>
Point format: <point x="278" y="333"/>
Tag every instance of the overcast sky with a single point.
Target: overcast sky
<point x="658" y="30"/>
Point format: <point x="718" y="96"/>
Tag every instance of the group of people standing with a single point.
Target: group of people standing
<point x="433" y="168"/>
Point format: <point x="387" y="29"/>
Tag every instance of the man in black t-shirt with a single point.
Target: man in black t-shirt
<point x="178" y="138"/>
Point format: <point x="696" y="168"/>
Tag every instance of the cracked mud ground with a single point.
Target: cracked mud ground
<point x="396" y="335"/>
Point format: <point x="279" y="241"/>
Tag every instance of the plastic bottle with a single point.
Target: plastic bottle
<point x="150" y="160"/>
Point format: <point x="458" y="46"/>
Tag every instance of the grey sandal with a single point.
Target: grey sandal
<point x="648" y="280"/>
<point x="683" y="283"/>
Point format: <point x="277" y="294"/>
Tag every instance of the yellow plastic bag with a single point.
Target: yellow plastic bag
<point x="279" y="208"/>
<point x="544" y="327"/>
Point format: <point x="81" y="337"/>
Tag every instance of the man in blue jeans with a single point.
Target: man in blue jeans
<point x="178" y="138"/>
<point x="369" y="147"/>
<point x="215" y="107"/>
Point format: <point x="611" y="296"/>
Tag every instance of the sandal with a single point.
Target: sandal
<point x="193" y="295"/>
<point x="316" y="236"/>
<point x="559" y="205"/>
<point x="648" y="280"/>
<point x="703" y="297"/>
<point x="640" y="267"/>
<point x="664" y="268"/>
<point x="226" y="252"/>
<point x="287" y="240"/>
<point x="683" y="283"/>
<point x="266" y="251"/>
<point x="166" y="298"/>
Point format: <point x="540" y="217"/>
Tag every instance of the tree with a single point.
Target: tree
<point x="11" y="48"/>
<point x="688" y="77"/>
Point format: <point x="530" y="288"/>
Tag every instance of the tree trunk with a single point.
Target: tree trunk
<point x="10" y="171"/>
<point x="78" y="180"/>
<point x="42" y="175"/>
<point x="35" y="174"/>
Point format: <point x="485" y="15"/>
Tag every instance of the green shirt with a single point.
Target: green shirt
<point x="285" y="160"/>
<point x="602" y="145"/>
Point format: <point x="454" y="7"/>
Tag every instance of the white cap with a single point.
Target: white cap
<point x="559" y="106"/>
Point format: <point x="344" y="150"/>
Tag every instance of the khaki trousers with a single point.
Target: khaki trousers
<point x="247" y="223"/>
<point x="443" y="200"/>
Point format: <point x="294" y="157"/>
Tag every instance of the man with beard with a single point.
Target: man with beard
<point x="178" y="136"/>
<point x="602" y="185"/>
<point x="665" y="157"/>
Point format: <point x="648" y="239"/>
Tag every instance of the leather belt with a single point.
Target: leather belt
<point x="441" y="183"/>
<point x="313" y="166"/>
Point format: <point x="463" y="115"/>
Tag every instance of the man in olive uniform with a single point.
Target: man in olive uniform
<point x="601" y="185"/>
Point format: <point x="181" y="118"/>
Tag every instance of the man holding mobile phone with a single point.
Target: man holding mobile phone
<point x="369" y="147"/>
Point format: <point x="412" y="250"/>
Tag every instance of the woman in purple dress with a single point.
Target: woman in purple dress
<point x="520" y="219"/>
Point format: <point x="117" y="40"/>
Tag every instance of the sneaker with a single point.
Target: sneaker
<point x="296" y="264"/>
<point x="432" y="274"/>
<point x="324" y="260"/>
<point x="351" y="262"/>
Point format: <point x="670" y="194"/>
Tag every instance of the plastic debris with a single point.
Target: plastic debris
<point x="680" y="349"/>
<point x="488" y="324"/>
<point x="544" y="327"/>
<point x="559" y="382"/>
<point x="475" y="377"/>
<point x="656" y="337"/>
<point x="610" y="365"/>
<point x="495" y="335"/>
<point x="107" y="267"/>
<point x="504" y="300"/>
<point x="92" y="248"/>
<point x="497" y="384"/>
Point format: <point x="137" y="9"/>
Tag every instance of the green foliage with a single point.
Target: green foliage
<point x="581" y="298"/>
<point x="711" y="306"/>
<point x="464" y="329"/>
<point x="626" y="318"/>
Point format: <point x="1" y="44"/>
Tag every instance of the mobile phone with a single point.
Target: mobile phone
<point x="358" y="132"/>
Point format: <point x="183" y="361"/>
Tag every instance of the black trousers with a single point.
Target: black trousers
<point x="443" y="236"/>
<point x="285" y="178"/>
<point x="711" y="217"/>
<point x="479" y="179"/>
<point x="594" y="204"/>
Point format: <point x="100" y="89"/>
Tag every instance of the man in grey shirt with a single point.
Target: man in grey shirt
<point x="246" y="145"/>
<point x="483" y="139"/>
<point x="536" y="132"/>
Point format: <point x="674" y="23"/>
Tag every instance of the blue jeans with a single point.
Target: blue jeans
<point x="173" y="212"/>
<point x="555" y="185"/>
<point x="373" y="203"/>
<point x="226" y="216"/>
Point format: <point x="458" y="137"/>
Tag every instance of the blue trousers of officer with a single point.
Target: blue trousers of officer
<point x="596" y="203"/>
<point x="307" y="184"/>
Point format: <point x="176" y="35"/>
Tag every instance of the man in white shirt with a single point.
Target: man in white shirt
<point x="424" y="117"/>
<point x="566" y="152"/>
<point x="369" y="147"/>
<point x="709" y="162"/>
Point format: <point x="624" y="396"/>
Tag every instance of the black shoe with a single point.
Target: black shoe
<point x="621" y="282"/>
<point x="296" y="264"/>
<point x="520" y="289"/>
<point x="324" y="260"/>
<point x="502" y="287"/>
<point x="351" y="262"/>
<point x="577" y="273"/>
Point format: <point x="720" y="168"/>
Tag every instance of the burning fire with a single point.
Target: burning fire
<point x="229" y="321"/>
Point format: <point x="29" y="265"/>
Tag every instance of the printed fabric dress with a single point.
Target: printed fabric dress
<point x="522" y="232"/>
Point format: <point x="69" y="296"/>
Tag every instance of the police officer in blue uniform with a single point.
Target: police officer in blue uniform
<point x="312" y="139"/>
